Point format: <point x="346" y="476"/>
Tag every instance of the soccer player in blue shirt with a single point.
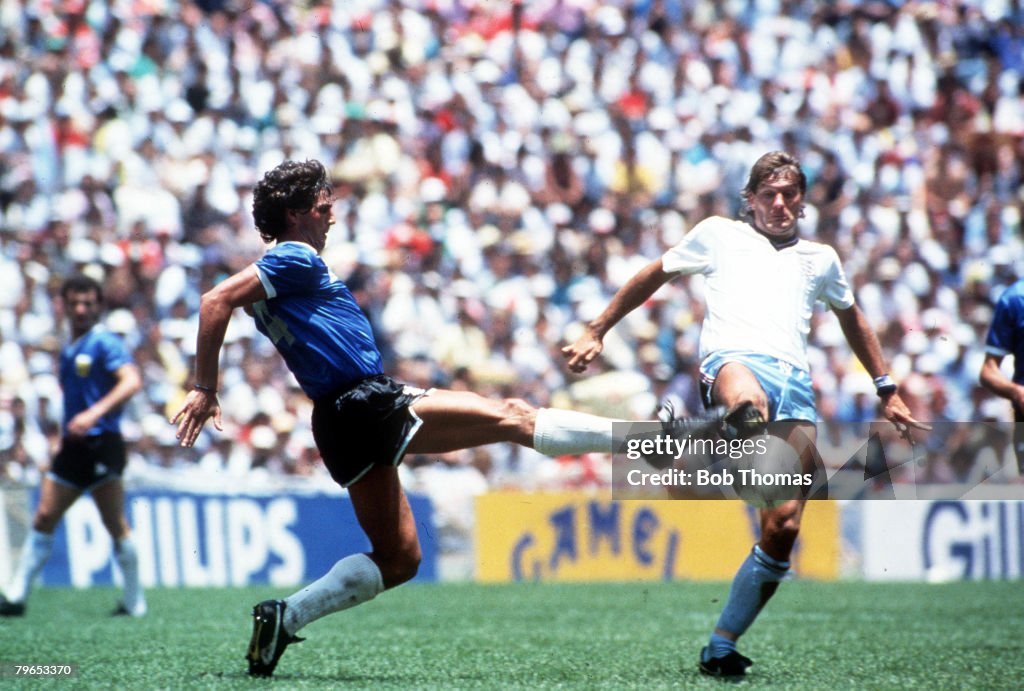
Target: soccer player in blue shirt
<point x="1006" y="337"/>
<point x="363" y="421"/>
<point x="97" y="376"/>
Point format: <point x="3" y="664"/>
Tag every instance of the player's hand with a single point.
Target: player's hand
<point x="199" y="407"/>
<point x="80" y="424"/>
<point x="581" y="353"/>
<point x="897" y="412"/>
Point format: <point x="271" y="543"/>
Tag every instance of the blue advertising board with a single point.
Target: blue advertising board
<point x="189" y="539"/>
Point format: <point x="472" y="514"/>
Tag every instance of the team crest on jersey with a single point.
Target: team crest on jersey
<point x="83" y="364"/>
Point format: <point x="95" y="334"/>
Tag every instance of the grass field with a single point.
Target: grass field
<point x="527" y="636"/>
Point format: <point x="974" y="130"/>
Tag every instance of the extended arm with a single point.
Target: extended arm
<point x="215" y="309"/>
<point x="630" y="296"/>
<point x="866" y="347"/>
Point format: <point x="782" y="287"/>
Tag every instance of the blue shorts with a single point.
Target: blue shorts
<point x="789" y="390"/>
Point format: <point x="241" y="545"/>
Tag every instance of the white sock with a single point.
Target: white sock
<point x="34" y="554"/>
<point x="352" y="581"/>
<point x="128" y="560"/>
<point x="560" y="432"/>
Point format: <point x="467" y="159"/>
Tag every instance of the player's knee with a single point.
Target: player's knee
<point x="759" y="400"/>
<point x="520" y="414"/>
<point x="745" y="420"/>
<point x="780" y="534"/>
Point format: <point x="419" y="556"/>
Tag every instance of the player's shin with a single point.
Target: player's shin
<point x="128" y="561"/>
<point x="34" y="555"/>
<point x="755" y="582"/>
<point x="351" y="581"/>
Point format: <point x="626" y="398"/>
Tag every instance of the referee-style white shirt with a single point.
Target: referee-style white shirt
<point x="759" y="299"/>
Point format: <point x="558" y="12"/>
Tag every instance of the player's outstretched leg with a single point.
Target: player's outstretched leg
<point x="455" y="420"/>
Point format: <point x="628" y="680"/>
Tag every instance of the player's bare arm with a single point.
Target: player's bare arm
<point x="128" y="381"/>
<point x="868" y="349"/>
<point x="993" y="379"/>
<point x="634" y="293"/>
<point x="215" y="309"/>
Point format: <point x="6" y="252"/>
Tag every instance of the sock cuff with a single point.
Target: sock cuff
<point x="718" y="646"/>
<point x="41" y="538"/>
<point x="369" y="570"/>
<point x="541" y="427"/>
<point x="769" y="562"/>
<point x="124" y="545"/>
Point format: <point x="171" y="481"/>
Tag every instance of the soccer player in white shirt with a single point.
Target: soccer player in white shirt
<point x="761" y="283"/>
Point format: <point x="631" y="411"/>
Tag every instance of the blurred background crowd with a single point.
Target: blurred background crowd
<point x="501" y="170"/>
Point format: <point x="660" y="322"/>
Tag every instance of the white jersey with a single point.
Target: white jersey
<point x="758" y="298"/>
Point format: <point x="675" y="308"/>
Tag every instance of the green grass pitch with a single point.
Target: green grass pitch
<point x="535" y="636"/>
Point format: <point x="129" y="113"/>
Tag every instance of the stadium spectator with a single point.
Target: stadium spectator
<point x="223" y="89"/>
<point x="98" y="377"/>
<point x="753" y="354"/>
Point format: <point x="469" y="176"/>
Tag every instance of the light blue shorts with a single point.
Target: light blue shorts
<point x="790" y="395"/>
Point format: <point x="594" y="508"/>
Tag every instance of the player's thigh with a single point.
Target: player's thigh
<point x="55" y="498"/>
<point x="462" y="419"/>
<point x="446" y="406"/>
<point x="736" y="383"/>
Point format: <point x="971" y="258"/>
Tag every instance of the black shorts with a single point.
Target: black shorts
<point x="369" y="424"/>
<point x="85" y="462"/>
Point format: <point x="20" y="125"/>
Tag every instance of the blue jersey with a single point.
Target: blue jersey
<point x="87" y="367"/>
<point x="1006" y="334"/>
<point x="313" y="321"/>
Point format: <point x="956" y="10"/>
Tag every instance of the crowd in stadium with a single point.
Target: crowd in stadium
<point x="501" y="169"/>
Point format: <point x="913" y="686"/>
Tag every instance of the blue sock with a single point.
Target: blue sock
<point x="754" y="584"/>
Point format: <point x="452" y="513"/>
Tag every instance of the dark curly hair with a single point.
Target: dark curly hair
<point x="80" y="283"/>
<point x="292" y="185"/>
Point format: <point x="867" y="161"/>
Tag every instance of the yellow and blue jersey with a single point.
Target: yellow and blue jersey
<point x="87" y="367"/>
